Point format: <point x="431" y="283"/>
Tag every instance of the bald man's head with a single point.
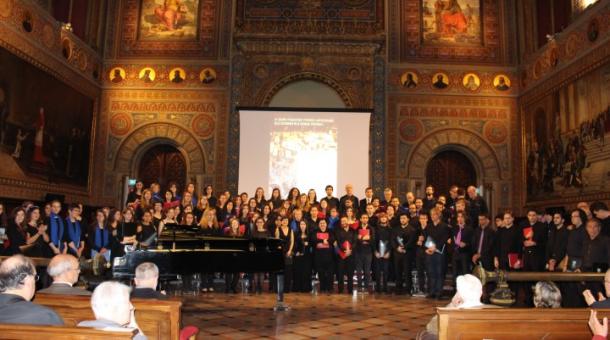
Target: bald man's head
<point x="64" y="268"/>
<point x="18" y="276"/>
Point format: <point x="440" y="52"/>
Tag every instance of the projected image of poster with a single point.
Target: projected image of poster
<point x="284" y="149"/>
<point x="302" y="153"/>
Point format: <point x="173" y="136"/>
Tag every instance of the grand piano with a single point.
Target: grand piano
<point x="183" y="250"/>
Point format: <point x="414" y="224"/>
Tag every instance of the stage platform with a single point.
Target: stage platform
<point x="364" y="316"/>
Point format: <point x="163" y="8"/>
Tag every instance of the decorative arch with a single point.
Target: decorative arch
<point x="477" y="150"/>
<point x="325" y="79"/>
<point x="139" y="141"/>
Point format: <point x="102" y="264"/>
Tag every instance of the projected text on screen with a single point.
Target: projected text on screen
<point x="303" y="149"/>
<point x="302" y="153"/>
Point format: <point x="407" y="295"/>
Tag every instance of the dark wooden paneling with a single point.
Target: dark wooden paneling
<point x="450" y="168"/>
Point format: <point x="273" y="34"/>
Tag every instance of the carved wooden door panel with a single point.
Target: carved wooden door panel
<point x="163" y="164"/>
<point x="450" y="168"/>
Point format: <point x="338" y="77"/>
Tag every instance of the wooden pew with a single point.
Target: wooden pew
<point x="515" y="323"/>
<point x="28" y="332"/>
<point x="38" y="261"/>
<point x="158" y="319"/>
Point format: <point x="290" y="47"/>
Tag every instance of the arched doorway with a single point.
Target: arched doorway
<point x="449" y="168"/>
<point x="162" y="164"/>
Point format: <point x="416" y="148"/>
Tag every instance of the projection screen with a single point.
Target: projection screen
<point x="307" y="149"/>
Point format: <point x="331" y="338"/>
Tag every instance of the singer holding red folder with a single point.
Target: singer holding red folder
<point x="322" y="240"/>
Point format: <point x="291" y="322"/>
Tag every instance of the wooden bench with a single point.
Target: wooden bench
<point x="158" y="319"/>
<point x="38" y="261"/>
<point x="515" y="323"/>
<point x="28" y="332"/>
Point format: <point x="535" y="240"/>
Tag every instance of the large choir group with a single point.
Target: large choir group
<point x="411" y="243"/>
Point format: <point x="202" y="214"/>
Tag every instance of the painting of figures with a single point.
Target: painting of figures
<point x="567" y="149"/>
<point x="168" y="20"/>
<point x="44" y="136"/>
<point x="451" y="21"/>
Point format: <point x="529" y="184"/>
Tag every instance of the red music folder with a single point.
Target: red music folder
<point x="528" y="232"/>
<point x="513" y="258"/>
<point x="342" y="252"/>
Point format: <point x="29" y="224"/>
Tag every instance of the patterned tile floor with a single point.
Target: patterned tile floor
<point x="244" y="316"/>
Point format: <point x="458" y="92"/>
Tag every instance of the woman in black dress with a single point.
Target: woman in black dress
<point x="157" y="213"/>
<point x="233" y="230"/>
<point x="146" y="203"/>
<point x="259" y="198"/>
<point x="37" y="234"/>
<point x="202" y="205"/>
<point x="17" y="234"/>
<point x="209" y="193"/>
<point x="293" y="196"/>
<point x="302" y="259"/>
<point x="276" y="198"/>
<point x="260" y="231"/>
<point x="266" y="213"/>
<point x="146" y="233"/>
<point x="127" y="229"/>
<point x="284" y="232"/>
<point x="209" y="227"/>
<point x="114" y="224"/>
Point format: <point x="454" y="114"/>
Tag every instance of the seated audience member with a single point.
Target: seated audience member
<point x="601" y="212"/>
<point x="64" y="270"/>
<point x="112" y="309"/>
<point x="146" y="280"/>
<point x="547" y="295"/>
<point x="603" y="301"/>
<point x="17" y="285"/>
<point x="468" y="296"/>
<point x="599" y="329"/>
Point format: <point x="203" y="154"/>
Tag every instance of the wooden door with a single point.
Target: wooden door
<point x="162" y="164"/>
<point x="450" y="168"/>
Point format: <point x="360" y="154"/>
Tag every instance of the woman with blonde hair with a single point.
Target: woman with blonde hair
<point x="303" y="203"/>
<point x="202" y="205"/>
<point x="209" y="227"/>
<point x="146" y="204"/>
<point x="312" y="197"/>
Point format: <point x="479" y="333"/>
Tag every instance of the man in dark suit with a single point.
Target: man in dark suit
<point x="64" y="270"/>
<point x="346" y="242"/>
<point x="368" y="199"/>
<point x="534" y="237"/>
<point x="601" y="212"/>
<point x="437" y="237"/>
<point x="146" y="280"/>
<point x="476" y="205"/>
<point x="349" y="196"/>
<point x="17" y="286"/>
<point x="429" y="201"/>
<point x="483" y="243"/>
<point x="462" y="234"/>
